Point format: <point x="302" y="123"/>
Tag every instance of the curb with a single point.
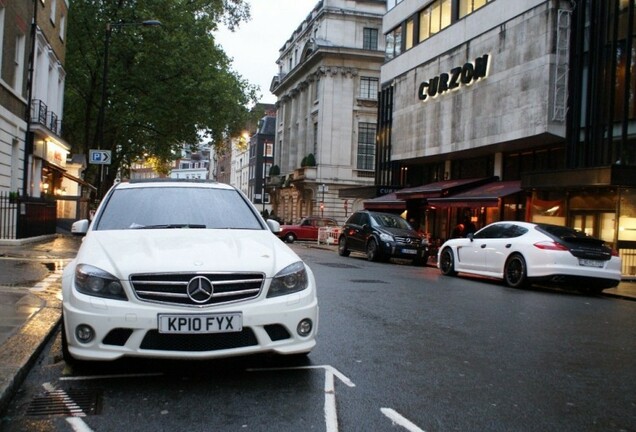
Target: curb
<point x="21" y="350"/>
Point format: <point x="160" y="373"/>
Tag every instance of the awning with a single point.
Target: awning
<point x="385" y="202"/>
<point x="78" y="180"/>
<point x="442" y="188"/>
<point x="487" y="195"/>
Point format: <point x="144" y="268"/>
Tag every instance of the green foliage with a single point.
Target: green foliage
<point x="166" y="85"/>
<point x="274" y="170"/>
<point x="310" y="160"/>
<point x="303" y="163"/>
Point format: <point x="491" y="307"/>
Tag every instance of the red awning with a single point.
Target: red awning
<point x="385" y="202"/>
<point x="442" y="188"/>
<point x="487" y="195"/>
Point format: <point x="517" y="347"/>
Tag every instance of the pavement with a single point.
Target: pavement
<point x="30" y="301"/>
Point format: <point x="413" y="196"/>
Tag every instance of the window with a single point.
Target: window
<point x="368" y="88"/>
<point x="409" y="36"/>
<point x="53" y="10"/>
<point x="425" y="24"/>
<point x="393" y="46"/>
<point x="20" y="55"/>
<point x="316" y="89"/>
<point x="469" y="6"/>
<point x="268" y="149"/>
<point x="366" y="146"/>
<point x="370" y="39"/>
<point x="266" y="167"/>
<point x="315" y="139"/>
<point x="62" y="26"/>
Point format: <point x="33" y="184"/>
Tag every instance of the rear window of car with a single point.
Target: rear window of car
<point x="562" y="232"/>
<point x="153" y="207"/>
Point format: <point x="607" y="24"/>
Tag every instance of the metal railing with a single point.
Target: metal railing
<point x="22" y="217"/>
<point x="8" y="215"/>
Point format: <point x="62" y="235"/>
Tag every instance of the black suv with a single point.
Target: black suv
<point x="382" y="236"/>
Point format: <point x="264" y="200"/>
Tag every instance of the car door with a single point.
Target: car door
<point x="305" y="229"/>
<point x="472" y="254"/>
<point x="356" y="236"/>
<point x="498" y="249"/>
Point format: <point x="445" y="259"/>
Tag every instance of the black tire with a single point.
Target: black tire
<point x="373" y="252"/>
<point x="342" y="247"/>
<point x="447" y="262"/>
<point x="515" y="272"/>
<point x="421" y="261"/>
<point x="290" y="238"/>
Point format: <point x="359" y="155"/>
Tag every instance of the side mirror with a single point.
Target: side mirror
<point x="80" y="227"/>
<point x="273" y="226"/>
<point x="470" y="236"/>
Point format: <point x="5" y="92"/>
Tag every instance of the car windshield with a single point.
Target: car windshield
<point x="390" y="221"/>
<point x="177" y="207"/>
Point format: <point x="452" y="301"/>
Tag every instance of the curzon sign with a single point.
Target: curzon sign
<point x="464" y="75"/>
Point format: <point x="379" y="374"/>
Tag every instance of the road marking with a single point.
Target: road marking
<point x="331" y="413"/>
<point x="399" y="420"/>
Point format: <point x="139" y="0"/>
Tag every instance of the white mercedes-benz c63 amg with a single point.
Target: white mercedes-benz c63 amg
<point x="184" y="270"/>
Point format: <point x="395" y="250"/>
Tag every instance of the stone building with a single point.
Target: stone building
<point x="511" y="109"/>
<point x="326" y="91"/>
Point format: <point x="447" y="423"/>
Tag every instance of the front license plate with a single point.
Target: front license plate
<point x="200" y="323"/>
<point x="591" y="263"/>
<point x="409" y="251"/>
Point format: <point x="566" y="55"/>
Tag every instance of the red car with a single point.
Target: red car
<point x="306" y="229"/>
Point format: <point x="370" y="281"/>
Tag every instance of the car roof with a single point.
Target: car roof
<point x="170" y="182"/>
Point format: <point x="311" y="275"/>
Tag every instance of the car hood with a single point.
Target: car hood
<point x="126" y="252"/>
<point x="399" y="232"/>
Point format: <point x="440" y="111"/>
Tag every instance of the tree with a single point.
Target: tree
<point x="166" y="85"/>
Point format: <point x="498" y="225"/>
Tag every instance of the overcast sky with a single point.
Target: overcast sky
<point x="254" y="46"/>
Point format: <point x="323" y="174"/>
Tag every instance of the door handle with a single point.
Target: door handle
<point x="483" y="246"/>
<point x="508" y="246"/>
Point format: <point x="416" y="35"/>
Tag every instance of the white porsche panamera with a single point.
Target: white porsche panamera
<point x="521" y="253"/>
<point x="184" y="269"/>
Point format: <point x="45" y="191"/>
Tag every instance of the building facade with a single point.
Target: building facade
<point x="16" y="40"/>
<point x="326" y="93"/>
<point x="510" y="109"/>
<point x="261" y="153"/>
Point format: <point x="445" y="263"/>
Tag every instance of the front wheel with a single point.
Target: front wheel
<point x="373" y="252"/>
<point x="342" y="247"/>
<point x="515" y="272"/>
<point x="290" y="238"/>
<point x="447" y="262"/>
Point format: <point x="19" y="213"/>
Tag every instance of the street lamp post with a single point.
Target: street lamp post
<point x="102" y="107"/>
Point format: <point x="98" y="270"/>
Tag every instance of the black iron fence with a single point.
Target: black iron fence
<point x="23" y="217"/>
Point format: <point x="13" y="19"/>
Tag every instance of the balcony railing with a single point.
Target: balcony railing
<point x="40" y="114"/>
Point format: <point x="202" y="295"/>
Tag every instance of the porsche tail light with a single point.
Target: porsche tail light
<point x="550" y="245"/>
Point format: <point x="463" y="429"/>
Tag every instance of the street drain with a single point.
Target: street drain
<point x="338" y="265"/>
<point x="71" y="403"/>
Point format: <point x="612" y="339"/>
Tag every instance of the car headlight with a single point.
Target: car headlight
<point x="291" y="279"/>
<point x="386" y="237"/>
<point x="96" y="282"/>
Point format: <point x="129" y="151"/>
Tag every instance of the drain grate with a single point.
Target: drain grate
<point x="338" y="265"/>
<point x="71" y="403"/>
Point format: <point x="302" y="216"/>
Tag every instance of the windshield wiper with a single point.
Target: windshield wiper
<point x="169" y="226"/>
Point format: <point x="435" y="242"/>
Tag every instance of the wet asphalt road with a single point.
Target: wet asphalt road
<point x="407" y="349"/>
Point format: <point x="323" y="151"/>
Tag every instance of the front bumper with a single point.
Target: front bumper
<point x="129" y="328"/>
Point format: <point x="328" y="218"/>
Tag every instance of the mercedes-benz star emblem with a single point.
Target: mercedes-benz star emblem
<point x="200" y="289"/>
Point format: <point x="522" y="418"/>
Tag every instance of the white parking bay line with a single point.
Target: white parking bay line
<point x="399" y="420"/>
<point x="331" y="413"/>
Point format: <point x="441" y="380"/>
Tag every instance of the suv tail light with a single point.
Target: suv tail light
<point x="615" y="252"/>
<point x="550" y="245"/>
